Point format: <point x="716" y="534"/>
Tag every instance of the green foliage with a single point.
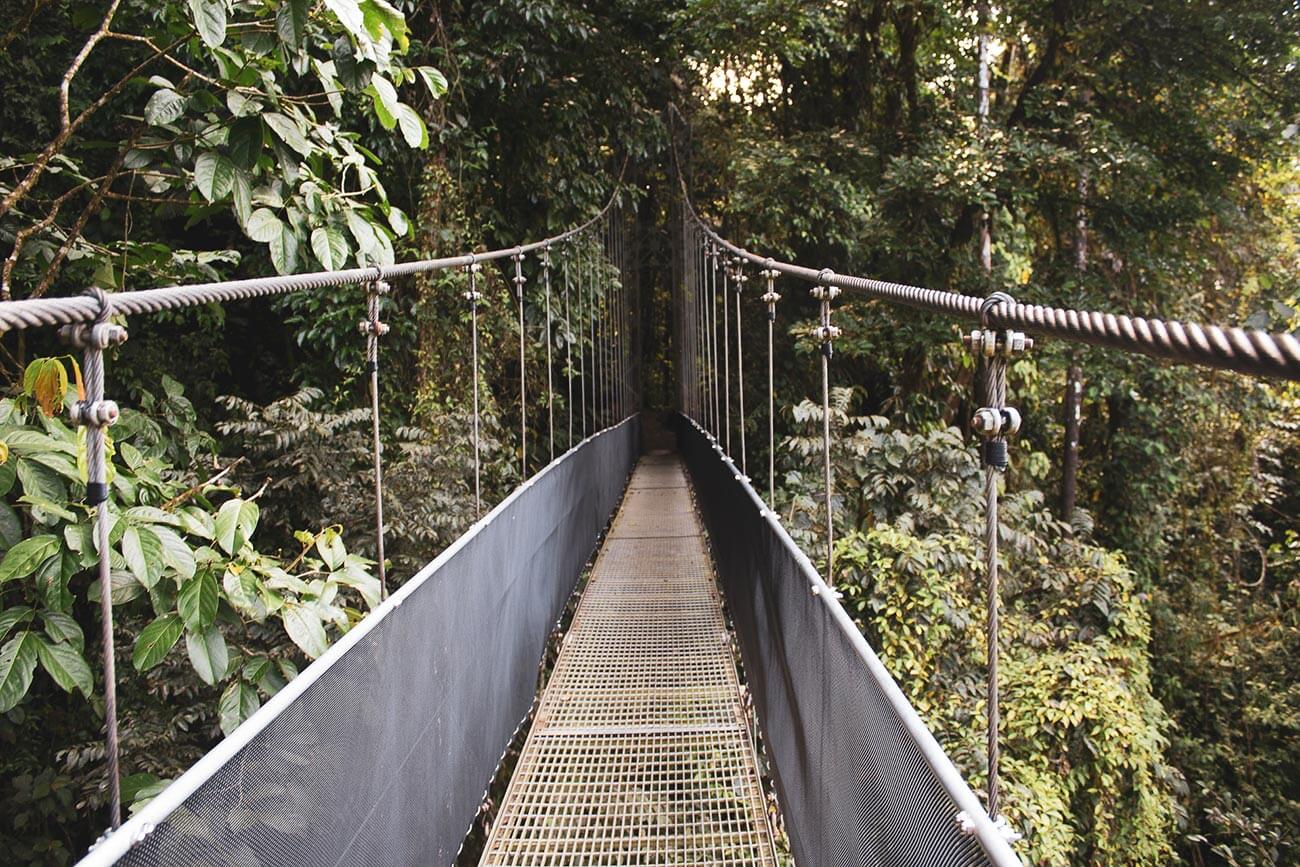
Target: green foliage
<point x="187" y="550"/>
<point x="1083" y="738"/>
<point x="247" y="115"/>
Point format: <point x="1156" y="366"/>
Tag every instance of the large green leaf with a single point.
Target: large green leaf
<point x="246" y="139"/>
<point x="208" y="654"/>
<point x="214" y="175"/>
<point x="284" y="251"/>
<point x="156" y="640"/>
<point x="291" y="22"/>
<point x="22" y="559"/>
<point x="209" y="20"/>
<point x="380" y="17"/>
<point x="330" y="246"/>
<point x="142" y="550"/>
<point x="11" y="617"/>
<point x="227" y="525"/>
<point x="412" y="126"/>
<point x="17" y="665"/>
<point x="61" y="627"/>
<point x="164" y="107"/>
<point x="384" y="96"/>
<point x="433" y="79"/>
<point x="197" y="601"/>
<point x="263" y="226"/>
<point x="237" y="704"/>
<point x="66" y="665"/>
<point x="305" y="628"/>
<point x="289" y="131"/>
<point x="176" y="553"/>
<point x="11" y="528"/>
<point x="349" y="15"/>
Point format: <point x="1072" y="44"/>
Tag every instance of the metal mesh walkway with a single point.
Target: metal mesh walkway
<point x="640" y="753"/>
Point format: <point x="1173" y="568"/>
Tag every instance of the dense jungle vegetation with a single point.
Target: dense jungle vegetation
<point x="1138" y="156"/>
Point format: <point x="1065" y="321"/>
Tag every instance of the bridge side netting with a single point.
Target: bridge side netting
<point x="856" y="783"/>
<point x="383" y="758"/>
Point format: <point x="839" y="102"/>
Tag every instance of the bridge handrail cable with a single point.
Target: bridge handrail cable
<point x="41" y="312"/>
<point x="1250" y="351"/>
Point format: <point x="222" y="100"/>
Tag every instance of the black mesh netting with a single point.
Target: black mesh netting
<point x="855" y="785"/>
<point x="384" y="757"/>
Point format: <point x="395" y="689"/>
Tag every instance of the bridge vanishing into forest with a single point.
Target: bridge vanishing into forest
<point x="644" y="745"/>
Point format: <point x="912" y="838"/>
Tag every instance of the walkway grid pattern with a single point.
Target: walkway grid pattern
<point x="640" y="753"/>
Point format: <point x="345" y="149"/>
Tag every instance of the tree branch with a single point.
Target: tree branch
<point x="42" y="161"/>
<point x="66" y="84"/>
<point x="91" y="207"/>
<point x="20" y="239"/>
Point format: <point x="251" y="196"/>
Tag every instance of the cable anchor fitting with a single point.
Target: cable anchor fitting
<point x="472" y="294"/>
<point x="997" y="422"/>
<point x="826" y="293"/>
<point x="771" y="296"/>
<point x="518" y="258"/>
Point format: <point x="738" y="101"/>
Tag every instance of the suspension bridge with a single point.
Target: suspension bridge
<point x="647" y="744"/>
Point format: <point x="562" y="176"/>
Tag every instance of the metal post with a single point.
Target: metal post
<point x="95" y="413"/>
<point x="374" y="329"/>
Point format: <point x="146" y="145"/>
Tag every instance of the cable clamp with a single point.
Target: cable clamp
<point x="97" y="413"/>
<point x="827" y="333"/>
<point x="472" y="295"/>
<point x="771" y="297"/>
<point x="991" y="344"/>
<point x="373" y="327"/>
<point x="379" y="287"/>
<point x="93" y="335"/>
<point x="991" y="422"/>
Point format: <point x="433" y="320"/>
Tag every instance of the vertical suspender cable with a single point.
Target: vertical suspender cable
<point x="472" y="295"/>
<point x="518" y="258"/>
<point x="95" y="413"/>
<point x="582" y="331"/>
<point x="593" y="259"/>
<point x="568" y="347"/>
<point x="825" y="294"/>
<point x="726" y="358"/>
<point x="740" y="280"/>
<point x="994" y="422"/>
<point x="373" y="328"/>
<point x="550" y="383"/>
<point x="713" y="340"/>
<point x="770" y="297"/>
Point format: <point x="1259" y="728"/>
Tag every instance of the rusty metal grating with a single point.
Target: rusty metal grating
<point x="640" y="753"/>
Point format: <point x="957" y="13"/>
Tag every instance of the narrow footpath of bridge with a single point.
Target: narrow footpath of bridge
<point x="640" y="752"/>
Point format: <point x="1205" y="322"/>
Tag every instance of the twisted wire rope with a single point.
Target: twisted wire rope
<point x="1250" y="351"/>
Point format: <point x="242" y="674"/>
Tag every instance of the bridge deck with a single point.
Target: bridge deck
<point x="640" y="753"/>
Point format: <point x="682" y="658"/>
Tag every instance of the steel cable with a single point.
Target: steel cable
<point x="1254" y="352"/>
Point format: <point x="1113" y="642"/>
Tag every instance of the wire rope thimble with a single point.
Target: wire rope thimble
<point x="825" y="293"/>
<point x="996" y="422"/>
<point x="771" y="296"/>
<point x="472" y="295"/>
<point x="518" y="258"/>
